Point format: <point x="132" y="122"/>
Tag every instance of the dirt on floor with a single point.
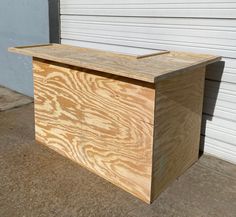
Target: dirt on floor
<point x="36" y="181"/>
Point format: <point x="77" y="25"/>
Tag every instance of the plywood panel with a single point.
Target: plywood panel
<point x="177" y="126"/>
<point x="104" y="123"/>
<point x="147" y="69"/>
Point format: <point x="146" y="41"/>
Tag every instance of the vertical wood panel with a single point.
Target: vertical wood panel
<point x="104" y="123"/>
<point x="178" y="114"/>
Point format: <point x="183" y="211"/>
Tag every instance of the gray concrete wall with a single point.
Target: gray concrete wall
<point x="22" y="22"/>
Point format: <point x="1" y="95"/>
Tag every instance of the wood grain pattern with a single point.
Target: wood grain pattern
<point x="133" y="121"/>
<point x="178" y="115"/>
<point x="148" y="69"/>
<point x="102" y="123"/>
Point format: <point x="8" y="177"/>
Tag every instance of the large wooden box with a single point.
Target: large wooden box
<point x="133" y="120"/>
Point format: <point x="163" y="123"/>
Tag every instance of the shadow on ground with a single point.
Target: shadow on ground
<point x="214" y="74"/>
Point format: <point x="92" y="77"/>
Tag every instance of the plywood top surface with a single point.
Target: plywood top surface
<point x="147" y="68"/>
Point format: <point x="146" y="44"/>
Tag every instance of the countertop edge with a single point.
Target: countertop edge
<point x="189" y="68"/>
<point x="132" y="75"/>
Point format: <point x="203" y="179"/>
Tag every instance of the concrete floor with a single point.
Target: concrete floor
<point x="10" y="99"/>
<point x="36" y="181"/>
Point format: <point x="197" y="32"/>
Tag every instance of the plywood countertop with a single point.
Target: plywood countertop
<point x="149" y="68"/>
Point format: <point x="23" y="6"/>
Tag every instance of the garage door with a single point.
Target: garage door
<point x="138" y="26"/>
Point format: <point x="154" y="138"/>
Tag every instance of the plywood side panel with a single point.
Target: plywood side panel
<point x="177" y="126"/>
<point x="102" y="123"/>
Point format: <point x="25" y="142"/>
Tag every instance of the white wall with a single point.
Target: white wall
<point x="22" y="22"/>
<point x="204" y="26"/>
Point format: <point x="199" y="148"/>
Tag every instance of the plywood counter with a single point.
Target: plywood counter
<point x="133" y="120"/>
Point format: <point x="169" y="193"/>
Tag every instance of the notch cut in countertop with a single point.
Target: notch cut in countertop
<point x="148" y="68"/>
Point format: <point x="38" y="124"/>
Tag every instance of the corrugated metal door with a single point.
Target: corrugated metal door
<point x="138" y="26"/>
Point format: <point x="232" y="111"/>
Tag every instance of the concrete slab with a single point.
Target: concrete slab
<point x="10" y="99"/>
<point x="36" y="181"/>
